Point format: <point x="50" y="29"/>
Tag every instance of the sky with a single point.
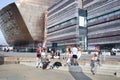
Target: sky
<point x="4" y="3"/>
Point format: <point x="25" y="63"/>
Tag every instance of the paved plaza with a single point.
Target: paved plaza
<point x="26" y="70"/>
<point x="23" y="72"/>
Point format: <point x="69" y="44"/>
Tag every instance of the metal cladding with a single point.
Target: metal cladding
<point x="12" y="25"/>
<point x="103" y="23"/>
<point x="63" y="25"/>
<point x="23" y="21"/>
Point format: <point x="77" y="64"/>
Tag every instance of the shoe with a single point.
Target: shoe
<point x="36" y="66"/>
<point x="93" y="73"/>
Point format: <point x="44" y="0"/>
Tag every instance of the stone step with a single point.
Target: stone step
<point x="75" y="68"/>
<point x="104" y="69"/>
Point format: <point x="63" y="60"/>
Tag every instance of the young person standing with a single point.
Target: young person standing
<point x="38" y="57"/>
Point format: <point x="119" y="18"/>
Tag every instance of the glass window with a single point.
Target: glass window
<point x="105" y="16"/>
<point x="118" y="12"/>
<point x="101" y="17"/>
<point x="111" y="14"/>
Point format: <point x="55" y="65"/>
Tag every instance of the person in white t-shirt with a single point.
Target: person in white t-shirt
<point x="74" y="52"/>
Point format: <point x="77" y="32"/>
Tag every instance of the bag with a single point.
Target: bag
<point x="57" y="64"/>
<point x="45" y="64"/>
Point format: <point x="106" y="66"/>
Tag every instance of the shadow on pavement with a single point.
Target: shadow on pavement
<point x="1" y="60"/>
<point x="76" y="72"/>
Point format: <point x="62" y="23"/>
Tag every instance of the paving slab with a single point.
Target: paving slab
<point x="23" y="72"/>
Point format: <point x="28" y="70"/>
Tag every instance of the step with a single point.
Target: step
<point x="73" y="68"/>
<point x="104" y="69"/>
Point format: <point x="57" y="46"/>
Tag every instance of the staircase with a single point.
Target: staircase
<point x="107" y="68"/>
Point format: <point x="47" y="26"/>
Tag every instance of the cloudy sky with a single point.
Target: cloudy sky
<point x="4" y="3"/>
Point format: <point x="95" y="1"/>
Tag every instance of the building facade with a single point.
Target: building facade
<point x="34" y="17"/>
<point x="66" y="24"/>
<point x="22" y="23"/>
<point x="13" y="26"/>
<point x="103" y="23"/>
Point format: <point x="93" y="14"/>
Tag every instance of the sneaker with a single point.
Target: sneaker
<point x="93" y="73"/>
<point x="36" y="66"/>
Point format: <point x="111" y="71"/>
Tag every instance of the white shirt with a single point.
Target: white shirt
<point x="74" y="50"/>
